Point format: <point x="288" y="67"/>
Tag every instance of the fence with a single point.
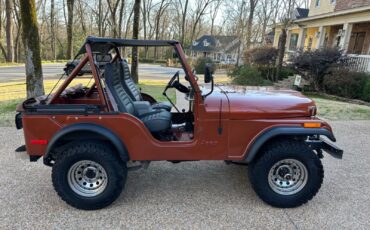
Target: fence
<point x="359" y="63"/>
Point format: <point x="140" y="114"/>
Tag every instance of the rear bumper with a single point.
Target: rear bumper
<point x="327" y="146"/>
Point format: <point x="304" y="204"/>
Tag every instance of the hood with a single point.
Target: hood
<point x="265" y="103"/>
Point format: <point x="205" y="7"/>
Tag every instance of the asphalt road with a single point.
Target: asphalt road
<point x="192" y="195"/>
<point x="53" y="71"/>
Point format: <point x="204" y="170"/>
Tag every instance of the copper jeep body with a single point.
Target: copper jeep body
<point x="229" y="123"/>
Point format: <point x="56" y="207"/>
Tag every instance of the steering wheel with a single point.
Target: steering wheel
<point x="175" y="77"/>
<point x="175" y="83"/>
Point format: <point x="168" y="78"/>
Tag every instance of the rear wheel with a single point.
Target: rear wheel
<point x="89" y="175"/>
<point x="287" y="174"/>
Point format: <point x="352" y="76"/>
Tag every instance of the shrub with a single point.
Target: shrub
<point x="286" y="72"/>
<point x="248" y="75"/>
<point x="346" y="83"/>
<point x="201" y="62"/>
<point x="261" y="56"/>
<point x="264" y="59"/>
<point x="314" y="65"/>
<point x="366" y="91"/>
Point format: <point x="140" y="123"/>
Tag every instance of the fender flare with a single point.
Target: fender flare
<point x="93" y="128"/>
<point x="283" y="131"/>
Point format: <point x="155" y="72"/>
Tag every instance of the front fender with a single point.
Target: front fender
<point x="283" y="131"/>
<point x="91" y="128"/>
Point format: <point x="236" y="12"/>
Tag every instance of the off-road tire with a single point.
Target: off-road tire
<point x="101" y="153"/>
<point x="275" y="152"/>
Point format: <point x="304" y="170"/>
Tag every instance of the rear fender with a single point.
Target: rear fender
<point x="107" y="134"/>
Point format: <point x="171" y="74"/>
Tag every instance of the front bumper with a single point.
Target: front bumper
<point x="324" y="145"/>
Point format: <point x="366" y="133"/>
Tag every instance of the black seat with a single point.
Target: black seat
<point x="133" y="91"/>
<point x="154" y="120"/>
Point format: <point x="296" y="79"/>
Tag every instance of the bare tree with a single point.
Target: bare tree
<point x="285" y="23"/>
<point x="199" y="12"/>
<point x="18" y="24"/>
<point x="120" y="18"/>
<point x="52" y="29"/>
<point x="70" y="6"/>
<point x="135" y="35"/>
<point x="31" y="42"/>
<point x="9" y="30"/>
<point x="162" y="7"/>
<point x="184" y="11"/>
<point x="252" y="8"/>
<point x="214" y="11"/>
<point x="113" y="7"/>
<point x="3" y="51"/>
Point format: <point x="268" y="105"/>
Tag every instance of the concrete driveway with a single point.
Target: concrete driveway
<point x="193" y="195"/>
<point x="53" y="71"/>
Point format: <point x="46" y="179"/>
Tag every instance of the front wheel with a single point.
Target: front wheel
<point x="89" y="175"/>
<point x="287" y="174"/>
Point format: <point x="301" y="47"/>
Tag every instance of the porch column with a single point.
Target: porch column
<point x="346" y="36"/>
<point x="301" y="38"/>
<point x="321" y="38"/>
<point x="287" y="43"/>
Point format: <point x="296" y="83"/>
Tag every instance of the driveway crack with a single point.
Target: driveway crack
<point x="290" y="220"/>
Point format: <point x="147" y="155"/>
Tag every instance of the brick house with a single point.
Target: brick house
<point x="333" y="23"/>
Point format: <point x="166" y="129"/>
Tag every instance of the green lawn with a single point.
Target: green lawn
<point x="337" y="110"/>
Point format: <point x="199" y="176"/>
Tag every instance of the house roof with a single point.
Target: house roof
<point x="335" y="14"/>
<point x="209" y="43"/>
<point x="300" y="13"/>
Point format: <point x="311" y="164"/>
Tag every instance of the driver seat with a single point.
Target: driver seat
<point x="132" y="90"/>
<point x="155" y="120"/>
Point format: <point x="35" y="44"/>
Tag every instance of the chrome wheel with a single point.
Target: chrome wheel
<point x="288" y="176"/>
<point x="87" y="178"/>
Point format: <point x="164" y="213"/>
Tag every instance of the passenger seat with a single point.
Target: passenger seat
<point x="155" y="120"/>
<point x="132" y="89"/>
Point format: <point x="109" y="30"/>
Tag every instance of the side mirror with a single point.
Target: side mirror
<point x="208" y="73"/>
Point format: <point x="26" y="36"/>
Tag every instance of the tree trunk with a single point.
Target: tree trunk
<point x="31" y="41"/>
<point x="135" y="35"/>
<point x="52" y="29"/>
<point x="250" y="22"/>
<point x="70" y="5"/>
<point x="281" y="52"/>
<point x="120" y="18"/>
<point x="3" y="51"/>
<point x="9" y="30"/>
<point x="183" y="22"/>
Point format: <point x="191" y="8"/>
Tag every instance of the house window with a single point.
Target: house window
<point x="333" y="1"/>
<point x="293" y="41"/>
<point x="317" y="4"/>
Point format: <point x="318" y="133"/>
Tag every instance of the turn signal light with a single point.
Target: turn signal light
<point x="312" y="125"/>
<point x="39" y="142"/>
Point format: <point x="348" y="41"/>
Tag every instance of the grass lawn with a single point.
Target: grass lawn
<point x="9" y="64"/>
<point x="338" y="110"/>
<point x="14" y="93"/>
